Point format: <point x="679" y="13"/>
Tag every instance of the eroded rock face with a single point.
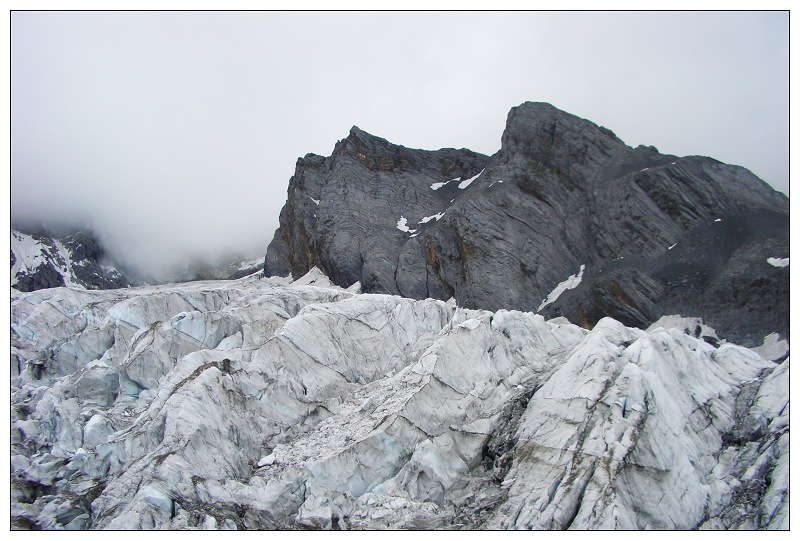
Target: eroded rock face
<point x="657" y="234"/>
<point x="256" y="403"/>
<point x="343" y="212"/>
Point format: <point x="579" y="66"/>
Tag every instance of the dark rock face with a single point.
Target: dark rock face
<point x="42" y="277"/>
<point x="362" y="189"/>
<point x="88" y="257"/>
<point x="657" y="234"/>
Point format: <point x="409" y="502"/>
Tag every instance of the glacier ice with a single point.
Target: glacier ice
<point x="259" y="403"/>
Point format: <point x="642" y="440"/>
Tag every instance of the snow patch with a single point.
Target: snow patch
<point x="778" y="261"/>
<point x="401" y="225"/>
<point x="718" y="220"/>
<point x="437" y="185"/>
<point x="427" y="219"/>
<point x="673" y="246"/>
<point x="464" y="183"/>
<point x="316" y="201"/>
<point x="570" y="283"/>
<point x="249" y="264"/>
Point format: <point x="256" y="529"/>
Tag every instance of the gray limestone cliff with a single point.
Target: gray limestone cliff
<point x="648" y="234"/>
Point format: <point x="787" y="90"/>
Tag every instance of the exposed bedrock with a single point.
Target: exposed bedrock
<point x="656" y="234"/>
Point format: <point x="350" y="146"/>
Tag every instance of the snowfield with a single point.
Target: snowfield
<point x="30" y="253"/>
<point x="260" y="403"/>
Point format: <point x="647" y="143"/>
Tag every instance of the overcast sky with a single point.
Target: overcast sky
<point x="175" y="134"/>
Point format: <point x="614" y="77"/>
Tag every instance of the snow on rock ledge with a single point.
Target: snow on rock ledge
<point x="331" y="409"/>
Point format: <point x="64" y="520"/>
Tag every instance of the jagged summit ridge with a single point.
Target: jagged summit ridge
<point x="542" y="128"/>
<point x="657" y="234"/>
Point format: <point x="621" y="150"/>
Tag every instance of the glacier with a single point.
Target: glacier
<point x="262" y="403"/>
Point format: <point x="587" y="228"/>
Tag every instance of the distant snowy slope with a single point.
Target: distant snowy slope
<point x="260" y="404"/>
<point x="30" y="255"/>
<point x="41" y="260"/>
<point x="27" y="253"/>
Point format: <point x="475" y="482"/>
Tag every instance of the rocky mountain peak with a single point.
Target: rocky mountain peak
<point x="373" y="152"/>
<point x="562" y="194"/>
<point x="558" y="140"/>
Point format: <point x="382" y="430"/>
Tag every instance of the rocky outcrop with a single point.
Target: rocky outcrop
<point x="655" y="234"/>
<point x="259" y="404"/>
<point x="345" y="213"/>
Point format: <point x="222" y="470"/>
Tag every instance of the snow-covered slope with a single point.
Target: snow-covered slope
<point x="41" y="260"/>
<point x="259" y="403"/>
